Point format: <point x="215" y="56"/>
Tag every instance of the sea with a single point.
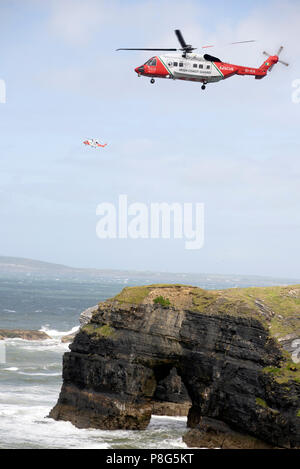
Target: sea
<point x="31" y="371"/>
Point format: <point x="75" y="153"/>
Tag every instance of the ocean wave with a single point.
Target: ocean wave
<point x="54" y="341"/>
<point x="55" y="334"/>
<point x="25" y="417"/>
<point x="38" y="374"/>
<point x="48" y="345"/>
<point x="31" y="428"/>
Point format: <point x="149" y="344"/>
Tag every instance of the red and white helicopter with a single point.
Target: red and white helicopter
<point x="200" y="68"/>
<point x="94" y="143"/>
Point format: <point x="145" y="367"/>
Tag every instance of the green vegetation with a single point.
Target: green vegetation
<point x="273" y="370"/>
<point x="202" y="299"/>
<point x="136" y="295"/>
<point x="284" y="302"/>
<point x="233" y="302"/>
<point x="261" y="403"/>
<point x="287" y="371"/>
<point x="103" y="331"/>
<point x="298" y="413"/>
<point x="162" y="301"/>
<point x="132" y="295"/>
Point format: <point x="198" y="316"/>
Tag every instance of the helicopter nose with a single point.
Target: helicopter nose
<point x="139" y="69"/>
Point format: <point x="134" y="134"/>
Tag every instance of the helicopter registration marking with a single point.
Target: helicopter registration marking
<point x="229" y="69"/>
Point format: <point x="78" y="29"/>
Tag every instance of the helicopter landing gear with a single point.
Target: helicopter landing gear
<point x="152" y="81"/>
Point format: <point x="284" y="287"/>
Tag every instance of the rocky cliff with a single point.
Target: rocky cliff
<point x="236" y="352"/>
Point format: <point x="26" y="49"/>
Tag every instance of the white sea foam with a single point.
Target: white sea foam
<point x="12" y="368"/>
<point x="54" y="334"/>
<point x="38" y="374"/>
<point x="24" y="423"/>
<point x="54" y="345"/>
<point x="32" y="429"/>
<point x="168" y="417"/>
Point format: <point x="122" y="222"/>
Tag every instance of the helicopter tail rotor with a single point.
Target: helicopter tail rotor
<point x="270" y="56"/>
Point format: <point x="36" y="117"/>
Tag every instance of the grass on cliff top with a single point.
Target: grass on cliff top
<point x="132" y="295"/>
<point x="137" y="295"/>
<point x="277" y="307"/>
<point x="282" y="303"/>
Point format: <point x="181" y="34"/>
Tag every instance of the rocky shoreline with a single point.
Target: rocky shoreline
<point x="22" y="334"/>
<point x="224" y="355"/>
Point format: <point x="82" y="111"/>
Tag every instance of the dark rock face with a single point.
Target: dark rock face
<point x="121" y="361"/>
<point x="171" y="396"/>
<point x="213" y="434"/>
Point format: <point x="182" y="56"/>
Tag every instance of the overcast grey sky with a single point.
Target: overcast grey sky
<point x="234" y="147"/>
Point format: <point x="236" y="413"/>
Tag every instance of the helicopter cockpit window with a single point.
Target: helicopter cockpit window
<point x="151" y="62"/>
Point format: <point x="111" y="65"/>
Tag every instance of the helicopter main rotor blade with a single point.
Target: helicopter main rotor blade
<point x="230" y="43"/>
<point x="180" y="39"/>
<point x="243" y="42"/>
<point x="122" y="48"/>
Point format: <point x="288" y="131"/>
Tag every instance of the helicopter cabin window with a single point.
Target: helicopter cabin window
<point x="195" y="65"/>
<point x="151" y="62"/>
<point x="175" y="64"/>
<point x="208" y="67"/>
<point x="180" y="64"/>
<point x="200" y="66"/>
